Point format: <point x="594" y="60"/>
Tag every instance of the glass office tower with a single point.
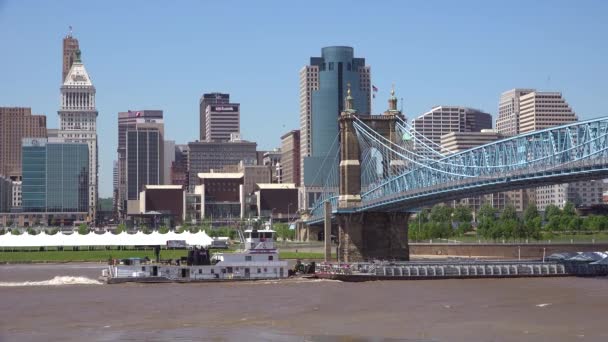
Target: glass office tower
<point x="323" y="86"/>
<point x="55" y="176"/>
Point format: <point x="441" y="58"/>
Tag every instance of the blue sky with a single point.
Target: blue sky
<point x="165" y="54"/>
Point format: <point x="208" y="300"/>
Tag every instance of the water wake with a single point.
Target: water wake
<point x="57" y="281"/>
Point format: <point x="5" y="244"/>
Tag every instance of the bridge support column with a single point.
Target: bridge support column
<point x="373" y="235"/>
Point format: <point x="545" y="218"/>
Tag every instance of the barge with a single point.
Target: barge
<point x="258" y="261"/>
<point x="458" y="269"/>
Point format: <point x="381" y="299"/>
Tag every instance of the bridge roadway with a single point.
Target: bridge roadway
<point x="411" y="201"/>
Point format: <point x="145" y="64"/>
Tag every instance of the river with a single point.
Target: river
<point x="64" y="302"/>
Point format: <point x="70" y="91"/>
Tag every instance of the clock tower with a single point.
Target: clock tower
<point x="78" y="120"/>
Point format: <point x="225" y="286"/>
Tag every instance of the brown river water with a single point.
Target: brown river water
<point x="64" y="303"/>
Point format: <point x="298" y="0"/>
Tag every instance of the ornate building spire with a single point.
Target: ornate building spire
<point x="392" y="101"/>
<point x="348" y="102"/>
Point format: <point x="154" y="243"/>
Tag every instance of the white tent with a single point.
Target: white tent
<point x="107" y="239"/>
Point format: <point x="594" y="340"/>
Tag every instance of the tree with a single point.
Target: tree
<point x="145" y="229"/>
<point x="2" y="231"/>
<point x="15" y="231"/>
<point x="83" y="229"/>
<point x="509" y="213"/>
<point x="531" y="213"/>
<point x="463" y="214"/>
<point x="486" y="221"/>
<point x="441" y="213"/>
<point x="552" y="211"/>
<point x="463" y="228"/>
<point x="120" y="228"/>
<point x="163" y="230"/>
<point x="569" y="209"/>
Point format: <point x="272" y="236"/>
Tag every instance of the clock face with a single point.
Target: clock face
<point x="79" y="78"/>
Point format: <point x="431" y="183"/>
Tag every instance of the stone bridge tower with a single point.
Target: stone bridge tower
<point x="367" y="235"/>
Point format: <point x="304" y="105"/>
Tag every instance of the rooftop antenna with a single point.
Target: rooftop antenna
<point x="70" y="32"/>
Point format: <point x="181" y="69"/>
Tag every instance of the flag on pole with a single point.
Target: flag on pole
<point x="374" y="88"/>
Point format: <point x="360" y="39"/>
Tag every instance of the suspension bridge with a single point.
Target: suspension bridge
<point x="381" y="170"/>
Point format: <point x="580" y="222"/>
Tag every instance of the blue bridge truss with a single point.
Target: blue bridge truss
<point x="412" y="172"/>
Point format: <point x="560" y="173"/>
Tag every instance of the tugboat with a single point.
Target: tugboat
<point x="258" y="261"/>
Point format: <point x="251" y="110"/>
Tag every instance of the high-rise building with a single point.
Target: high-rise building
<point x="507" y="122"/>
<point x="290" y="157"/>
<point x="204" y="156"/>
<point x="6" y="194"/>
<point x="323" y="86"/>
<point x="70" y="46"/>
<point x="55" y="176"/>
<point x="222" y="121"/>
<point x="128" y="120"/>
<point x="144" y="157"/>
<point x="179" y="167"/>
<point x="168" y="159"/>
<point x="206" y="100"/>
<point x="460" y="141"/>
<point x="442" y="120"/>
<point x="78" y="120"/>
<point x="17" y="123"/>
<point x="540" y="110"/>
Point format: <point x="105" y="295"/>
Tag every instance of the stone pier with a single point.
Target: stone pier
<point x="373" y="235"/>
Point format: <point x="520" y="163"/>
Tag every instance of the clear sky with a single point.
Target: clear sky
<point x="165" y="54"/>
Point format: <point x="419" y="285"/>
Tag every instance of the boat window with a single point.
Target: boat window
<point x="265" y="270"/>
<point x="212" y="271"/>
<point x="247" y="257"/>
<point x="270" y="257"/>
<point x="259" y="270"/>
<point x="229" y="269"/>
<point x="143" y="268"/>
<point x="200" y="271"/>
<point x="223" y="270"/>
<point x="254" y="235"/>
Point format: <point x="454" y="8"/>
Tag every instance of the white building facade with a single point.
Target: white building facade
<point x="78" y="121"/>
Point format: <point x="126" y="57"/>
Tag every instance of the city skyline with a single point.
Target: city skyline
<point x="397" y="44"/>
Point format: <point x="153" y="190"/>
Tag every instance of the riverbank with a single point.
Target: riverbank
<point x="54" y="256"/>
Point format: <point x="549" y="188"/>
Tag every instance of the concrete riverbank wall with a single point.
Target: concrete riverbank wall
<point x="500" y="250"/>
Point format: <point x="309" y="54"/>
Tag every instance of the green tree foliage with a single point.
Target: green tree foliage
<point x="120" y="228"/>
<point x="441" y="213"/>
<point x="83" y="229"/>
<point x="52" y="231"/>
<point x="15" y="231"/>
<point x="163" y="229"/>
<point x="283" y="232"/>
<point x="552" y="211"/>
<point x="32" y="231"/>
<point x="569" y="209"/>
<point x="486" y="219"/>
<point x="462" y="214"/>
<point x="145" y="229"/>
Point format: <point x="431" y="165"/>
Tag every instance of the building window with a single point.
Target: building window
<point x="331" y="65"/>
<point x="270" y="258"/>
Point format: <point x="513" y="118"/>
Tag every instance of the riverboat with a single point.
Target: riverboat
<point x="258" y="260"/>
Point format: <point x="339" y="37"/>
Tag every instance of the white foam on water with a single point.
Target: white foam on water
<point x="57" y="281"/>
<point x="543" y="305"/>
